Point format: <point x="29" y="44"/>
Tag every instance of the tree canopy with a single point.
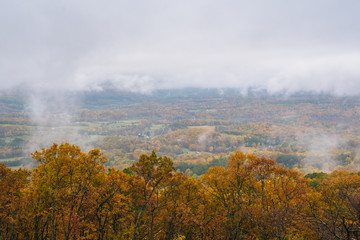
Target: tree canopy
<point x="72" y="195"/>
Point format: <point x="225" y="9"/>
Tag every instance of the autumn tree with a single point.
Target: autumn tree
<point x="109" y="207"/>
<point x="181" y="210"/>
<point x="12" y="185"/>
<point x="334" y="209"/>
<point x="228" y="188"/>
<point x="257" y="198"/>
<point x="151" y="176"/>
<point x="61" y="192"/>
<point x="72" y="195"/>
<point x="276" y="199"/>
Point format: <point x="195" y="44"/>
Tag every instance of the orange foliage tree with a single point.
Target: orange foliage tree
<point x="72" y="195"/>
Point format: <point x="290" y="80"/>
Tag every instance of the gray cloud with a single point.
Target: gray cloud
<point x="142" y="45"/>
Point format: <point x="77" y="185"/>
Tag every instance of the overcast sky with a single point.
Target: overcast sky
<point x="292" y="45"/>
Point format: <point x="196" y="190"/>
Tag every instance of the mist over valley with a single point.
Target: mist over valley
<point x="197" y="128"/>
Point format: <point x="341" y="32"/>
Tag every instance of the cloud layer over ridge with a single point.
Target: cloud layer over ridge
<point x="143" y="45"/>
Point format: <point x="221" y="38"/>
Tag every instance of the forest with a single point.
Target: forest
<point x="180" y="164"/>
<point x="72" y="195"/>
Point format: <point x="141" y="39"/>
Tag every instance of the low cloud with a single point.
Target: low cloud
<point x="54" y="117"/>
<point x="142" y="46"/>
<point x="319" y="155"/>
